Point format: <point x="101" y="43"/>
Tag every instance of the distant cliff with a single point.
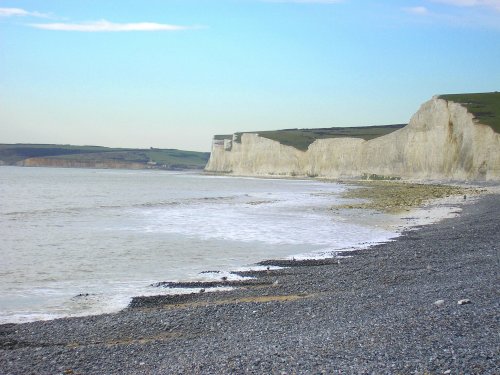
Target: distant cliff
<point x="442" y="141"/>
<point x="67" y="163"/>
<point x="67" y="156"/>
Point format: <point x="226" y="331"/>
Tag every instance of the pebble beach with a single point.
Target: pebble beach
<point x="426" y="303"/>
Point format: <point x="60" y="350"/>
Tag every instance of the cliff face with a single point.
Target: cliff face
<point x="442" y="140"/>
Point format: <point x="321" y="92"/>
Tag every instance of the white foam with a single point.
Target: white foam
<point x="257" y="268"/>
<point x="297" y="218"/>
<point x="110" y="235"/>
<point x="430" y="213"/>
<point x="220" y="275"/>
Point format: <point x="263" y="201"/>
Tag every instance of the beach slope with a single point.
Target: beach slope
<point x="425" y="303"/>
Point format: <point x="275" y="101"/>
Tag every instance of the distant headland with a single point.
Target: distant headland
<point x="48" y="155"/>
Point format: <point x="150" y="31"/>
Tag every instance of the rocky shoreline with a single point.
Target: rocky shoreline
<point x="400" y="196"/>
<point x="389" y="309"/>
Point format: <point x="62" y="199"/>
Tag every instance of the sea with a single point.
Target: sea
<point x="77" y="242"/>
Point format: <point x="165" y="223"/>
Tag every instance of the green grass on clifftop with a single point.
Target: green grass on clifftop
<point x="484" y="106"/>
<point x="302" y="138"/>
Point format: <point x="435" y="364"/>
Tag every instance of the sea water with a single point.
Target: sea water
<point x="82" y="241"/>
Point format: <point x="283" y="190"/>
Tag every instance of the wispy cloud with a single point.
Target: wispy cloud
<point x="420" y="10"/>
<point x="495" y="4"/>
<point x="458" y="13"/>
<point x="93" y="26"/>
<point x="18" y="12"/>
<point x="106" y="26"/>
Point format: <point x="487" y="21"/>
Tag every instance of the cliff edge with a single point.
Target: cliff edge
<point x="443" y="140"/>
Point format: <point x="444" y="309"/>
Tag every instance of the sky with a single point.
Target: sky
<point x="173" y="73"/>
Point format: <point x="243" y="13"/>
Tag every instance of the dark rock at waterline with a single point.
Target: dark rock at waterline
<point x="333" y="260"/>
<point x="83" y="295"/>
<point x="298" y="263"/>
<point x="209" y="284"/>
<point x="157" y="301"/>
<point x="260" y="274"/>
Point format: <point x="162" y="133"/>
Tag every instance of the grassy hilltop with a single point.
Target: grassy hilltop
<point x="302" y="138"/>
<point x="484" y="106"/>
<point x="12" y="154"/>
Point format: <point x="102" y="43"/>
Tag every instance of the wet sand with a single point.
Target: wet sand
<point x="393" y="308"/>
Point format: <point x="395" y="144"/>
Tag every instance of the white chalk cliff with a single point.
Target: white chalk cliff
<point x="442" y="141"/>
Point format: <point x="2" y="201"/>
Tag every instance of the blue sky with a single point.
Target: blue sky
<point x="171" y="74"/>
